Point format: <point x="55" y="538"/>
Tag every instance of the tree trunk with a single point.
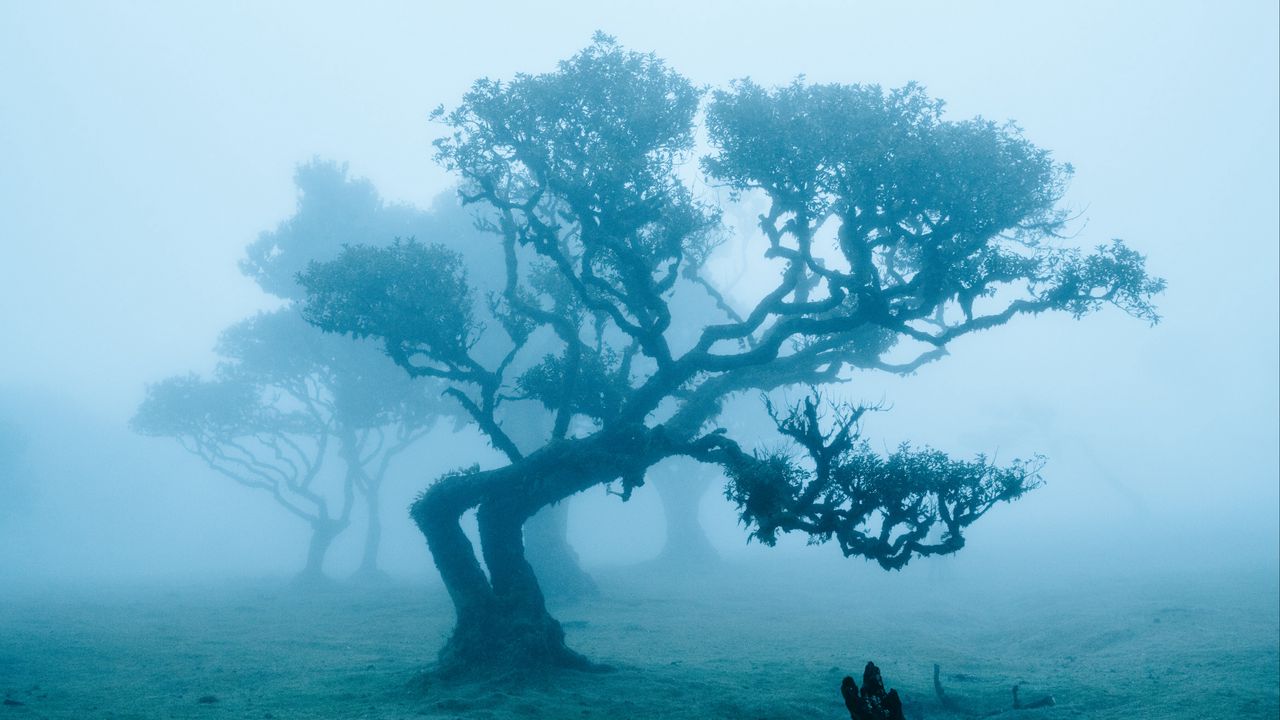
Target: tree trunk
<point x="681" y="488"/>
<point x="502" y="623"/>
<point x="369" y="569"/>
<point x="437" y="514"/>
<point x="545" y="534"/>
<point x="323" y="532"/>
<point x="553" y="558"/>
<point x="524" y="633"/>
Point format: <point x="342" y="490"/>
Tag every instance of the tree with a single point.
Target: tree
<point x="284" y="395"/>
<point x="334" y="210"/>
<point x="546" y="538"/>
<point x="893" y="232"/>
<point x="681" y="484"/>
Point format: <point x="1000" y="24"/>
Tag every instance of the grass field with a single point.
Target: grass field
<point x="746" y="644"/>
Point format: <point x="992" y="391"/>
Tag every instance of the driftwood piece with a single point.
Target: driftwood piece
<point x="1046" y="701"/>
<point x="949" y="703"/>
<point x="872" y="702"/>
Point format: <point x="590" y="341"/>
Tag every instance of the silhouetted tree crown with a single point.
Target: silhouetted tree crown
<point x="892" y="230"/>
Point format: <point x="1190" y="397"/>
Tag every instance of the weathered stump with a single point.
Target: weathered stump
<point x="871" y="702"/>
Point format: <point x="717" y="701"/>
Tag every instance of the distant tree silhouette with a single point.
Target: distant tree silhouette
<point x="681" y="486"/>
<point x="285" y="395"/>
<point x="284" y="399"/>
<point x="335" y="210"/>
<point x="889" y="232"/>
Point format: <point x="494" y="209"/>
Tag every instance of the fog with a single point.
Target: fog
<point x="147" y="145"/>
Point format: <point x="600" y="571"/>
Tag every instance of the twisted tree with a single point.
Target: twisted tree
<point x="892" y="231"/>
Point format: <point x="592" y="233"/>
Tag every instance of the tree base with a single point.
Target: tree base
<point x="506" y="648"/>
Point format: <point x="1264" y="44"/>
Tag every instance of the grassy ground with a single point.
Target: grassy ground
<point x="759" y="644"/>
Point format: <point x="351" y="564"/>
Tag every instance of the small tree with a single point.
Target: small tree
<point x="281" y="400"/>
<point x="285" y="393"/>
<point x="892" y="231"/>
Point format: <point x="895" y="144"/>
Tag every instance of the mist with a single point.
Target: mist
<point x="172" y="173"/>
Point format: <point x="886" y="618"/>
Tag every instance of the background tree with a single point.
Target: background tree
<point x="283" y="397"/>
<point x="681" y="485"/>
<point x="334" y="210"/>
<point x="284" y="393"/>
<point x="892" y="231"/>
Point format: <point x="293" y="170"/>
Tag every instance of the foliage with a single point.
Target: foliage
<point x="424" y="304"/>
<point x="334" y="210"/>
<point x="884" y="508"/>
<point x="578" y="171"/>
<point x="893" y="231"/>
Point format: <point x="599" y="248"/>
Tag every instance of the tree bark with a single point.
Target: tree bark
<point x="525" y="633"/>
<point x="546" y="533"/>
<point x="502" y="622"/>
<point x="437" y="514"/>
<point x="553" y="559"/>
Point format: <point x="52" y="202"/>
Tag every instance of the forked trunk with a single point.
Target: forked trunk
<point x="502" y="621"/>
<point x="502" y="625"/>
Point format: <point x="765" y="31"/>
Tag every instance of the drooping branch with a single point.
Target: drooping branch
<point x="910" y="503"/>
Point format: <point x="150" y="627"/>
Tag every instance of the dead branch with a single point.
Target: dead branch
<point x="949" y="703"/>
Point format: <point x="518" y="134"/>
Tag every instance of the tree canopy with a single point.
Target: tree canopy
<point x="892" y="229"/>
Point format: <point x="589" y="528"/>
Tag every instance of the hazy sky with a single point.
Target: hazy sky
<point x="145" y="144"/>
